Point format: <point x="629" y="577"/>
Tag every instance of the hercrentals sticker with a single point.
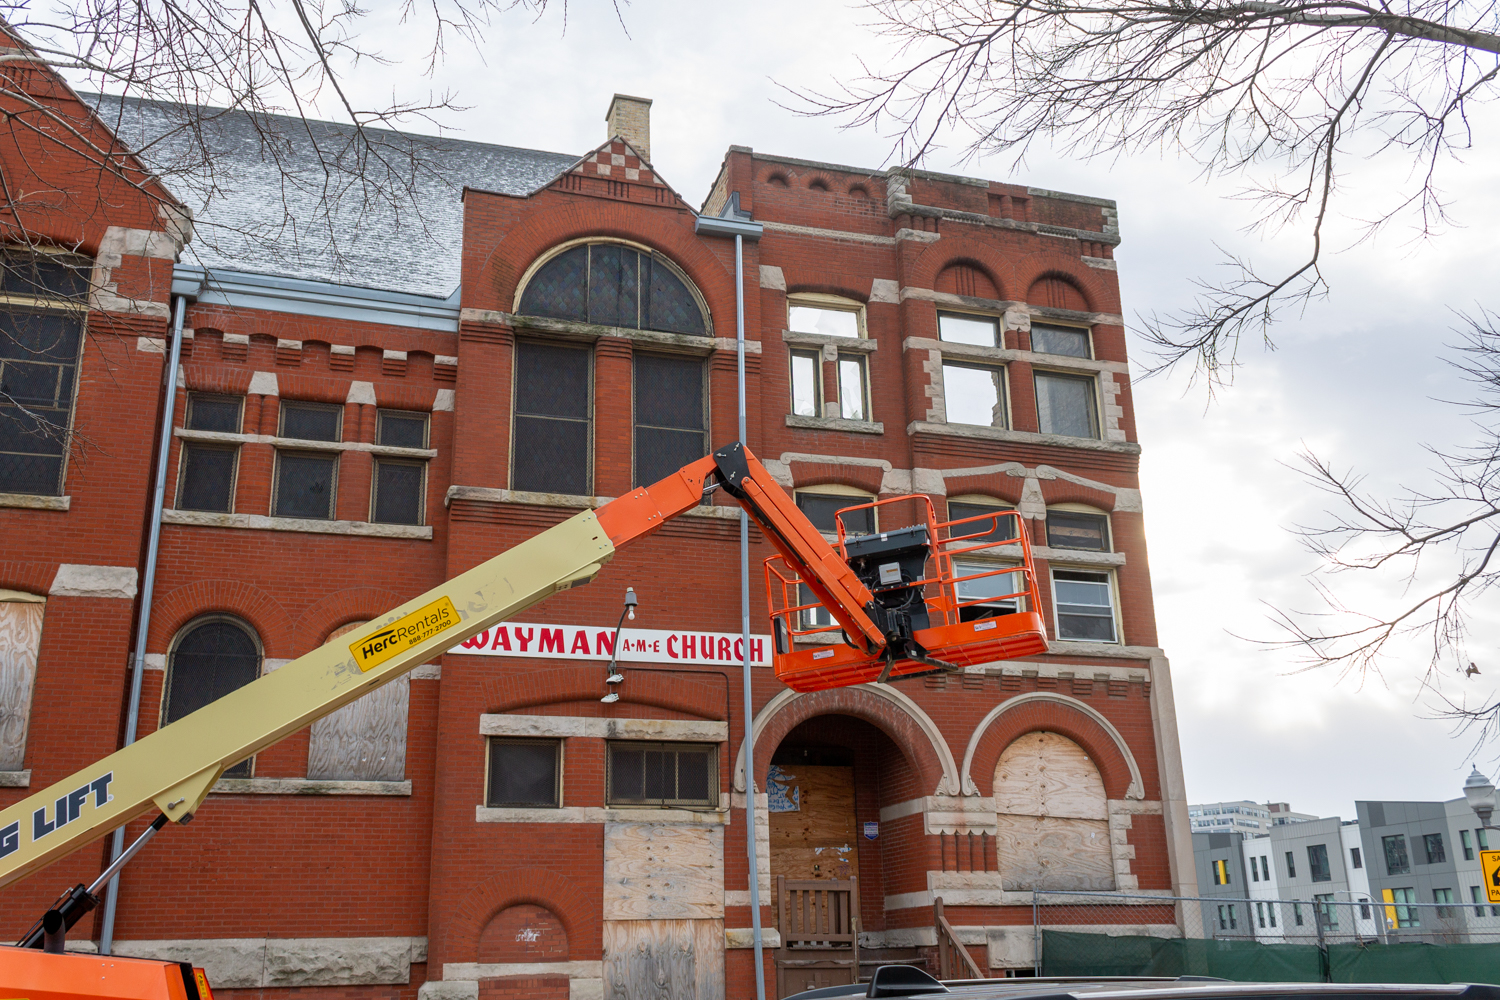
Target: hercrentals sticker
<point x="404" y="633"/>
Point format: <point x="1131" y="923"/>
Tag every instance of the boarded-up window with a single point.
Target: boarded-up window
<point x="366" y="739"/>
<point x="20" y="637"/>
<point x="1053" y="816"/>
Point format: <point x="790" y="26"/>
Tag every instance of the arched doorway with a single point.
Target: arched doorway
<point x="827" y="782"/>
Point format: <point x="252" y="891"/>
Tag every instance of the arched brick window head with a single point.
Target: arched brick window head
<point x="213" y="656"/>
<point x="611" y="284"/>
<point x="1053" y="816"/>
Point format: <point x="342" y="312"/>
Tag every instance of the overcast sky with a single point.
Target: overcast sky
<point x="1355" y="378"/>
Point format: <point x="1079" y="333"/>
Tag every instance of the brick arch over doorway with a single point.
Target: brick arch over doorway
<point x="551" y="890"/>
<point x="1058" y="713"/>
<point x="889" y="710"/>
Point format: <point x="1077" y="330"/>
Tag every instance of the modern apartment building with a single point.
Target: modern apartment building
<point x="1243" y="816"/>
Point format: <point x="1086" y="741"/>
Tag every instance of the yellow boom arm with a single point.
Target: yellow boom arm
<point x="176" y="766"/>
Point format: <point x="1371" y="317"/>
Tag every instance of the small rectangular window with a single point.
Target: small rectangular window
<point x="1327" y="912"/>
<point x="1291" y="865"/>
<point x="826" y="322"/>
<point x="1432" y="846"/>
<point x="1364" y="908"/>
<point x="1317" y="863"/>
<point x="1476" y="895"/>
<point x="822" y="510"/>
<point x="306" y="484"/>
<point x="1265" y="870"/>
<point x="1481" y="837"/>
<point x="524" y="773"/>
<point x="207" y="476"/>
<point x="1297" y="914"/>
<point x="1001" y="529"/>
<point x="1254" y="871"/>
<point x="1396" y="861"/>
<point x="997" y="592"/>
<point x="1065" y="405"/>
<point x="1271" y="908"/>
<point x="982" y="331"/>
<point x="1467" y="844"/>
<point x="1085" y="606"/>
<point x="311" y="421"/>
<point x="807" y="383"/>
<point x="1260" y="914"/>
<point x="1067" y="529"/>
<point x="1406" y="916"/>
<point x="1444" y="897"/>
<point x="671" y="415"/>
<point x="974" y="394"/>
<point x="854" y="390"/>
<point x="1065" y="340"/>
<point x="666" y="774"/>
<point x="1355" y="861"/>
<point x="551" y="444"/>
<point x="400" y="485"/>
<point x="401" y="429"/>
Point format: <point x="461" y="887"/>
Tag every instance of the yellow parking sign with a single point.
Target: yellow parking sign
<point x="1489" y="863"/>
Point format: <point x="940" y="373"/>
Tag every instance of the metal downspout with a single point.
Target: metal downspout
<point x="148" y="584"/>
<point x="739" y="344"/>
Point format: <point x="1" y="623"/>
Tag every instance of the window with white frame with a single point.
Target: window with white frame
<point x="1069" y="341"/>
<point x="1085" y="605"/>
<point x="842" y="389"/>
<point x="974" y="394"/>
<point x="1065" y="404"/>
<point x="960" y="328"/>
<point x="996" y="591"/>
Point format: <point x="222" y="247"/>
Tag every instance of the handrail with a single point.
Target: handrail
<point x="950" y="950"/>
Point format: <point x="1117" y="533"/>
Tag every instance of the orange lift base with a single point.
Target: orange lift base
<point x="36" y="975"/>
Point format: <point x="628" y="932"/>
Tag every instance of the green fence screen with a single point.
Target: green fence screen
<point x="1068" y="954"/>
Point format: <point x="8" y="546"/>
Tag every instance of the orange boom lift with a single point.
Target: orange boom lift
<point x="878" y="607"/>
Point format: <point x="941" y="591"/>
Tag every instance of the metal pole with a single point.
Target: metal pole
<point x="148" y="584"/>
<point x="739" y="343"/>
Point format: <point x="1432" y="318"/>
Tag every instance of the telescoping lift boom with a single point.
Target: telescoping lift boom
<point x="896" y="617"/>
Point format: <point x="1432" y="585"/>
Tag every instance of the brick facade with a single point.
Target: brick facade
<point x="293" y="861"/>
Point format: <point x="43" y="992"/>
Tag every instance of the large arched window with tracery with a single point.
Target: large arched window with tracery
<point x="629" y="287"/>
<point x="614" y="284"/>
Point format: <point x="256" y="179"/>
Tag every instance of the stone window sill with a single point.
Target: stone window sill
<point x="596" y="814"/>
<point x="485" y="494"/>
<point x="308" y="786"/>
<point x="571" y="330"/>
<point x="1074" y="556"/>
<point x="835" y="424"/>
<point x="15" y="779"/>
<point x="1022" y="437"/>
<point x="31" y="501"/>
<point x="220" y="437"/>
<point x="1002" y="354"/>
<point x="860" y="344"/>
<point x="260" y="522"/>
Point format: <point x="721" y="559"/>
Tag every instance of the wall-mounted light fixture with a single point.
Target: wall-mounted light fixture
<point x="615" y="676"/>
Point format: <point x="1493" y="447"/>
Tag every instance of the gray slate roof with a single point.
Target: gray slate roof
<point x="308" y="199"/>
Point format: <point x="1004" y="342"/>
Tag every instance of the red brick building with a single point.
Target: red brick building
<point x="351" y="430"/>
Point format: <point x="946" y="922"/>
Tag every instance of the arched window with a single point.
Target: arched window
<point x="1053" y="816"/>
<point x="366" y="739"/>
<point x="613" y="284"/>
<point x="211" y="657"/>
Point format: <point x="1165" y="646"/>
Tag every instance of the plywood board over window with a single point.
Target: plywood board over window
<point x="664" y="960"/>
<point x="814" y="836"/>
<point x="663" y="872"/>
<point x="366" y="739"/>
<point x="20" y="638"/>
<point x="1053" y="816"/>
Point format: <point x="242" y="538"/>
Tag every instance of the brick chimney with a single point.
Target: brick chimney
<point x="630" y="119"/>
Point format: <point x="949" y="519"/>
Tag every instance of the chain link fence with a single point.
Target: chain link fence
<point x="1338" y="936"/>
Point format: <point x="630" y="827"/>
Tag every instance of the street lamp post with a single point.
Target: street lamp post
<point x="1481" y="796"/>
